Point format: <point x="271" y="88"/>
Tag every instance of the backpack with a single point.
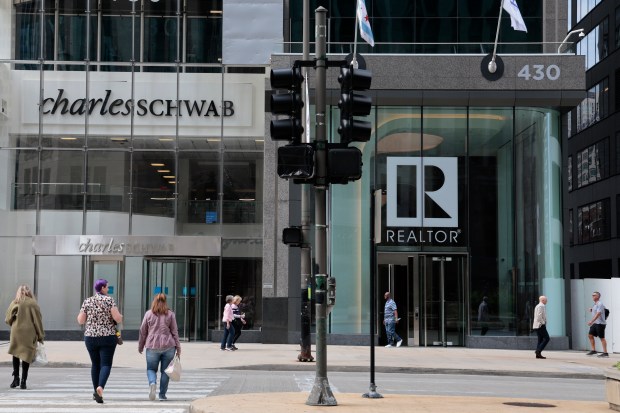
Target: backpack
<point x="606" y="313"/>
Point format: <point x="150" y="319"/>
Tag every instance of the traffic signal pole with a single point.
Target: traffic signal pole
<point x="305" y="353"/>
<point x="321" y="394"/>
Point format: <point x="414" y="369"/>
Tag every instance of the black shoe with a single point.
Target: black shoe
<point x="97" y="398"/>
<point x="15" y="382"/>
<point x="591" y="353"/>
<point x="234" y="347"/>
<point x="603" y="355"/>
<point x="22" y="385"/>
<point x="540" y="356"/>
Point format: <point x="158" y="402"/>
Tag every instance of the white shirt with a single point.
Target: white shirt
<point x="540" y="316"/>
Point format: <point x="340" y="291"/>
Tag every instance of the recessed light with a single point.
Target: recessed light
<point x="68" y="138"/>
<point x="172" y="182"/>
<point x="246" y="199"/>
<point x="166" y="139"/>
<point x="163" y="171"/>
<point x="169" y="176"/>
<point x="158" y="164"/>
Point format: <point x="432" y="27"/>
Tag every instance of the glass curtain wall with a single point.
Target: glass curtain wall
<point x="508" y="163"/>
<point x="416" y="26"/>
<point x="72" y="171"/>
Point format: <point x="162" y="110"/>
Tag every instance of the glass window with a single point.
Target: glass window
<point x="593" y="223"/>
<point x="242" y="193"/>
<point x="62" y="180"/>
<point x="107" y="192"/>
<point x="117" y="35"/>
<point x="76" y="39"/>
<point x="570" y="228"/>
<point x="593" y="163"/>
<point x="153" y="190"/>
<point x="617" y="144"/>
<point x="617" y="27"/>
<point x="65" y="271"/>
<point x="569" y="173"/>
<point x="18" y="190"/>
<point x="199" y="179"/>
<point x="594" y="107"/>
<point x="62" y="192"/>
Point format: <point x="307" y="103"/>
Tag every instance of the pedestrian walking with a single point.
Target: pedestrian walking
<point x="100" y="315"/>
<point x="229" y="329"/>
<point x="24" y="318"/>
<point x="483" y="316"/>
<point x="540" y="326"/>
<point x="390" y="319"/>
<point x="597" y="325"/>
<point x="238" y="319"/>
<point x="159" y="334"/>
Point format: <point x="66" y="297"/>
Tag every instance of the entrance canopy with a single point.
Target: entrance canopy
<point x="127" y="245"/>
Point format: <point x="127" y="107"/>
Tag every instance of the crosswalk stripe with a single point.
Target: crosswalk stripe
<point x="126" y="392"/>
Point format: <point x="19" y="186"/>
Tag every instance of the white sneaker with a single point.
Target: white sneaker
<point x="400" y="342"/>
<point x="152" y="391"/>
<point x="389" y="345"/>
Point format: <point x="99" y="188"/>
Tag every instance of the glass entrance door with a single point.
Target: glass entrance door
<point x="184" y="283"/>
<point x="442" y="279"/>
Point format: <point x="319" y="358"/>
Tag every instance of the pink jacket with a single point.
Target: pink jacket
<point x="159" y="332"/>
<point x="228" y="313"/>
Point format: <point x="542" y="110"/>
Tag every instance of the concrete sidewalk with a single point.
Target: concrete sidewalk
<point x="207" y="355"/>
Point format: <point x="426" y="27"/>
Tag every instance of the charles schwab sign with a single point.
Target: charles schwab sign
<point x="202" y="105"/>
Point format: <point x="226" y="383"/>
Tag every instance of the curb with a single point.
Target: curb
<point x="308" y="367"/>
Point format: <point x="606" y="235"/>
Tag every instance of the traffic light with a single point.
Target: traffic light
<point x="292" y="236"/>
<point x="295" y="160"/>
<point x="354" y="104"/>
<point x="344" y="162"/>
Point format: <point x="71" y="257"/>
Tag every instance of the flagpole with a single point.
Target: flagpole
<point x="492" y="64"/>
<point x="354" y="60"/>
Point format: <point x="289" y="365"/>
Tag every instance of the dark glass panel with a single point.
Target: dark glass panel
<point x="62" y="179"/>
<point x="107" y="188"/>
<point x="117" y="35"/>
<point x="199" y="51"/>
<point x="154" y="190"/>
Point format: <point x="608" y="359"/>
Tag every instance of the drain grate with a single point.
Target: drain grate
<point x="526" y="404"/>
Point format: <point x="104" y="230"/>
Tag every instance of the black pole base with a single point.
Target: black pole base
<point x="372" y="393"/>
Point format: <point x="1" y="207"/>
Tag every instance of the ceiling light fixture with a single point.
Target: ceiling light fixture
<point x="158" y="164"/>
<point x="163" y="171"/>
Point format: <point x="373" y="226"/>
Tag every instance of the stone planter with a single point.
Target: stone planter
<point x="612" y="388"/>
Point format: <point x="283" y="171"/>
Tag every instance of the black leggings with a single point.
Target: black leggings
<point x="238" y="324"/>
<point x="25" y="367"/>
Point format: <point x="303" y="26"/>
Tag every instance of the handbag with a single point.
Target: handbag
<point x="174" y="369"/>
<point x="40" y="357"/>
<point x="119" y="338"/>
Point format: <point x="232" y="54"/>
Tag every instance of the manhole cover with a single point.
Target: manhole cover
<point x="526" y="404"/>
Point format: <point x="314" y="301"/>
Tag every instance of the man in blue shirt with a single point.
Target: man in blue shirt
<point x="390" y="318"/>
<point x="597" y="325"/>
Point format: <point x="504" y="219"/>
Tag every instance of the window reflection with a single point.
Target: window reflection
<point x="593" y="222"/>
<point x="592" y="164"/>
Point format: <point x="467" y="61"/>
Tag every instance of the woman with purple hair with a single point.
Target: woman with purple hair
<point x="100" y="315"/>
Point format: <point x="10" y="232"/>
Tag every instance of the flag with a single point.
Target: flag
<point x="516" y="20"/>
<point x="362" y="17"/>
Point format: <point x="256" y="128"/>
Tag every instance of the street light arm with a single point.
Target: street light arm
<point x="581" y="34"/>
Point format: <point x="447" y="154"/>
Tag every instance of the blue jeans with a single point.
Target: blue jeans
<point x="227" y="338"/>
<point x="390" y="330"/>
<point x="155" y="357"/>
<point x="101" y="352"/>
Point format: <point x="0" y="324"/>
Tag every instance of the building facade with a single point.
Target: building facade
<point x="135" y="146"/>
<point x="591" y="153"/>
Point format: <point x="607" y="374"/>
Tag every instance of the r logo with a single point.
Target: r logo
<point x="426" y="197"/>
